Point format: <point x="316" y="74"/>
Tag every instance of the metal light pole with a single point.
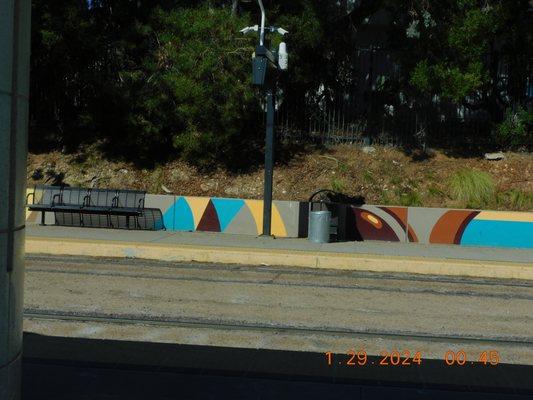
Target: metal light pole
<point x="14" y="94"/>
<point x="269" y="163"/>
<point x="266" y="67"/>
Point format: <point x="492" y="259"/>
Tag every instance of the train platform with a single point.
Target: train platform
<point x="452" y="260"/>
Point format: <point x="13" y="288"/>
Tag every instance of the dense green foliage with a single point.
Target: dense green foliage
<point x="143" y="81"/>
<point x="472" y="53"/>
<point x="160" y="78"/>
<point x="516" y="129"/>
<point x="191" y="89"/>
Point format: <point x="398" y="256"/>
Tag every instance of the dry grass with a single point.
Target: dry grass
<point x="475" y="189"/>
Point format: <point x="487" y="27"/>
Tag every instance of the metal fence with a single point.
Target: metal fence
<point x="336" y="126"/>
<point x="363" y="115"/>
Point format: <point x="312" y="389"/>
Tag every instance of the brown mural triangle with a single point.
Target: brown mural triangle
<point x="209" y="221"/>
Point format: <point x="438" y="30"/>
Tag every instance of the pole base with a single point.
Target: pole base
<point x="263" y="235"/>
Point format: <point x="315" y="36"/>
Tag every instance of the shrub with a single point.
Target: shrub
<point x="410" y="198"/>
<point x="516" y="130"/>
<point x="191" y="91"/>
<point x="514" y="199"/>
<point x="475" y="189"/>
<point x="337" y="185"/>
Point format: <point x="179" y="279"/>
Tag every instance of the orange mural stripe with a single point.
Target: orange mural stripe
<point x="449" y="225"/>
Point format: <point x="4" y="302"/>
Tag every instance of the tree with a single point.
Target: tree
<point x="455" y="50"/>
<point x="64" y="70"/>
<point x="191" y="89"/>
<point x="153" y="79"/>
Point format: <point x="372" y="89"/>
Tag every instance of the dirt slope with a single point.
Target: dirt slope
<point x="383" y="176"/>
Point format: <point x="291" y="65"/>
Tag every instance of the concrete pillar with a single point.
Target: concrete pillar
<point x="14" y="94"/>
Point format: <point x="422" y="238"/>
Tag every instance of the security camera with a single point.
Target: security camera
<point x="249" y="29"/>
<point x="281" y="31"/>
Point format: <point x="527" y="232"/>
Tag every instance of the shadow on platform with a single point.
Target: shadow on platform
<point x="73" y="368"/>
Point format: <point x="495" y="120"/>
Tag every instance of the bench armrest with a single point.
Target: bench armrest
<point x="141" y="203"/>
<point x="32" y="194"/>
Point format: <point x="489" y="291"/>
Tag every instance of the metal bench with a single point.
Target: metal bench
<point x="109" y="208"/>
<point x="151" y="219"/>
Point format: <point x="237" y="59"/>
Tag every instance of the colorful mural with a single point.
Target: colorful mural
<point x="444" y="226"/>
<point x="366" y="222"/>
<point x="381" y="223"/>
<point x="238" y="216"/>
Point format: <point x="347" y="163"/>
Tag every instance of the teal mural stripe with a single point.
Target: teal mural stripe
<point x="498" y="233"/>
<point x="226" y="210"/>
<point x="179" y="216"/>
<point x="168" y="218"/>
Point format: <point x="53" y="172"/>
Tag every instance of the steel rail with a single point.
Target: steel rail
<point x="242" y="325"/>
<point x="273" y="282"/>
<point x="278" y="269"/>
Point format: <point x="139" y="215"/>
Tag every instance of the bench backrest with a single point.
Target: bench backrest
<point x="101" y="198"/>
<point x="130" y="198"/>
<point x="67" y="195"/>
<point x="45" y="194"/>
<point x="73" y="195"/>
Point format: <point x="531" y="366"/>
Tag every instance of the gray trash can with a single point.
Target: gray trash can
<point x="319" y="223"/>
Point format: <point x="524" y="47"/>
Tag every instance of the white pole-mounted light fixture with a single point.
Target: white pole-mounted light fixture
<point x="263" y="21"/>
<point x="283" y="57"/>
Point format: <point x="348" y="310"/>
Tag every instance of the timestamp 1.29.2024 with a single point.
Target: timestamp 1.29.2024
<point x="360" y="358"/>
<point x="406" y="358"/>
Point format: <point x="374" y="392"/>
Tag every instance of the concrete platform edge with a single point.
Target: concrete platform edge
<point x="292" y="258"/>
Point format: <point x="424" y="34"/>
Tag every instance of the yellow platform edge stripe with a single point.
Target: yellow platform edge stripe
<point x="253" y="256"/>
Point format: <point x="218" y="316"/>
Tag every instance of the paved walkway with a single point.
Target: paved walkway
<point x="245" y="241"/>
<point x="239" y="249"/>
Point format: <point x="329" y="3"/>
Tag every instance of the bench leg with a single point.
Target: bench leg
<point x="128" y="221"/>
<point x="42" y="218"/>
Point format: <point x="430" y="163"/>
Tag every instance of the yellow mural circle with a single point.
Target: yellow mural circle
<point x="373" y="220"/>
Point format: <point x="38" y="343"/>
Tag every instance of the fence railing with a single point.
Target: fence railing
<point x="335" y="126"/>
<point x="362" y="115"/>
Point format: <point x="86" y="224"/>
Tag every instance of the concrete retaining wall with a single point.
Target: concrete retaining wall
<point x="367" y="222"/>
<point x="213" y="214"/>
<point x="237" y="216"/>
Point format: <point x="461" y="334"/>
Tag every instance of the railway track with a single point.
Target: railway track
<point x="240" y="325"/>
<point x="413" y="283"/>
<point x="179" y="300"/>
